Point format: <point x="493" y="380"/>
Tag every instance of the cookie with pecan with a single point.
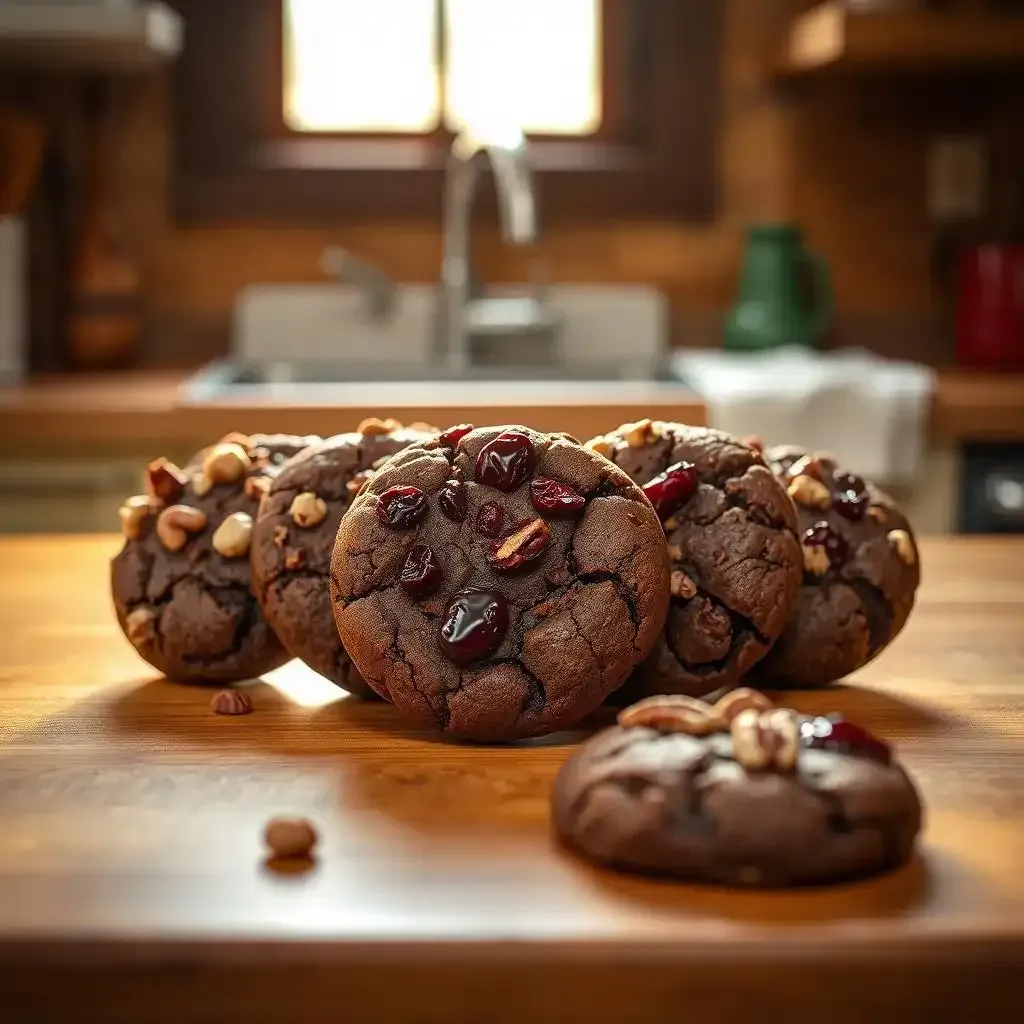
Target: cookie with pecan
<point x="738" y="793"/>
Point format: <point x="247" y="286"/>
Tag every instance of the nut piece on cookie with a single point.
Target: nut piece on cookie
<point x="134" y="515"/>
<point x="681" y="585"/>
<point x="602" y="445"/>
<point x="644" y="431"/>
<point x="174" y="525"/>
<point x="164" y="481"/>
<point x="232" y="538"/>
<point x="140" y="625"/>
<point x="904" y="546"/>
<point x="358" y="482"/>
<point x="810" y="493"/>
<point x="226" y="463"/>
<point x="307" y="509"/>
<point x="373" y="426"/>
<point x="671" y="713"/>
<point x="257" y="486"/>
<point x="766" y="739"/>
<point x="816" y="560"/>
<point x="741" y="699"/>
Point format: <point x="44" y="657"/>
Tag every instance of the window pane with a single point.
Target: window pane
<point x="532" y="63"/>
<point x="356" y="65"/>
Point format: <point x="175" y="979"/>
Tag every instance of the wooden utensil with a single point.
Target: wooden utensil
<point x="103" y="324"/>
<point x="21" y="151"/>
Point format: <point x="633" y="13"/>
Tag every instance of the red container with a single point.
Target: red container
<point x="990" y="307"/>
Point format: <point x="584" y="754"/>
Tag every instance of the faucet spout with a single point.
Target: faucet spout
<point x="514" y="185"/>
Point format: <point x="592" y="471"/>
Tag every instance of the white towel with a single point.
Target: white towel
<point x="870" y="412"/>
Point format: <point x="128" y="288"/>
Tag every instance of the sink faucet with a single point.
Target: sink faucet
<point x="465" y="314"/>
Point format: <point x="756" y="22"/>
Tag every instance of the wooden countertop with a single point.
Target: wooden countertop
<point x="131" y="873"/>
<point x="141" y="409"/>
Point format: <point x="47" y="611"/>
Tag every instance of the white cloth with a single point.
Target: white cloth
<point x="870" y="412"/>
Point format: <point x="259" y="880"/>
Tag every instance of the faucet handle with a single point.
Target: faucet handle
<point x="378" y="288"/>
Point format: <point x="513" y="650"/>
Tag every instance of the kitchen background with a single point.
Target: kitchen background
<point x="888" y="131"/>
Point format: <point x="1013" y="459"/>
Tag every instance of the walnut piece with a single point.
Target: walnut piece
<point x="201" y="484"/>
<point x="904" y="546"/>
<point x="256" y="487"/>
<point x="375" y="427"/>
<point x="671" y="713"/>
<point x="601" y="445"/>
<point x="816" y="560"/>
<point x="231" y="702"/>
<point x="140" y="625"/>
<point x="290" y="837"/>
<point x="808" y="492"/>
<point x="134" y="515"/>
<point x="766" y="739"/>
<point x="681" y="585"/>
<point x="233" y="537"/>
<point x="358" y="482"/>
<point x="174" y="525"/>
<point x="294" y="559"/>
<point x="280" y="536"/>
<point x="308" y="509"/>
<point x="164" y="481"/>
<point x="741" y="699"/>
<point x="226" y="463"/>
<point x="675" y="552"/>
<point x="644" y="431"/>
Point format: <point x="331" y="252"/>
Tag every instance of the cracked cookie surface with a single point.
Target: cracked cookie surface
<point x="666" y="803"/>
<point x="293" y="540"/>
<point x="736" y="562"/>
<point x="535" y="612"/>
<point x="859" y="580"/>
<point x="192" y="612"/>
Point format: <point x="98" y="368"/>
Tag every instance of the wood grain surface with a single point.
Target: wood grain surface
<point x="133" y="886"/>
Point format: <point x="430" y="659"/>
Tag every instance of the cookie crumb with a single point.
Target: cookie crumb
<point x="231" y="702"/>
<point x="290" y="837"/>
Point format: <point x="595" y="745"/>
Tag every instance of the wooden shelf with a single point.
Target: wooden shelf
<point x="84" y="38"/>
<point x="830" y="38"/>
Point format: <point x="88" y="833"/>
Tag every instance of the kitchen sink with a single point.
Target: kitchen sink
<point x="318" y="382"/>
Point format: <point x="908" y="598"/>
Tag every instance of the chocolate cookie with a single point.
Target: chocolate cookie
<point x="182" y="584"/>
<point x="499" y="583"/>
<point x="738" y="793"/>
<point x="294" y="536"/>
<point x="736" y="562"/>
<point x="861" y="572"/>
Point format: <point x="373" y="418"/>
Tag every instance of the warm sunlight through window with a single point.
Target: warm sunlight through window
<point x="353" y="65"/>
<point x="361" y="66"/>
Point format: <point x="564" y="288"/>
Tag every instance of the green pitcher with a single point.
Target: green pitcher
<point x="775" y="306"/>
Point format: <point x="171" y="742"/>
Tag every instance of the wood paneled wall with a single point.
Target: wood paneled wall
<point x="847" y="162"/>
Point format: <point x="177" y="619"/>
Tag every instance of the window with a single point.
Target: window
<point x="324" y="109"/>
<point x="348" y="70"/>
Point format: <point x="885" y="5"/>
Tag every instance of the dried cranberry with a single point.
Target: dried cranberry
<point x="506" y="461"/>
<point x="670" y="490"/>
<point x="526" y="542"/>
<point x="554" y="498"/>
<point x="824" y="535"/>
<point x="401" y="507"/>
<point x="836" y="733"/>
<point x="422" y="573"/>
<point x="452" y="499"/>
<point x="474" y="625"/>
<point x="489" y="518"/>
<point x="851" y="496"/>
<point x="453" y="435"/>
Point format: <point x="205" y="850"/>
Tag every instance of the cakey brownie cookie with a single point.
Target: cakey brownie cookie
<point x="182" y="584"/>
<point x="294" y="536"/>
<point x="499" y="583"/>
<point x="861" y="572"/>
<point x="738" y="793"/>
<point x="736" y="562"/>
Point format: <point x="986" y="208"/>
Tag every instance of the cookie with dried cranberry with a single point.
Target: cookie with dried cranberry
<point x="182" y="583"/>
<point x="738" y="793"/>
<point x="861" y="572"/>
<point x="294" y="537"/>
<point x="736" y="562"/>
<point x="499" y="583"/>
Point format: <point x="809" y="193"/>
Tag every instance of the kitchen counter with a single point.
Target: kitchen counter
<point x="131" y="873"/>
<point x="141" y="410"/>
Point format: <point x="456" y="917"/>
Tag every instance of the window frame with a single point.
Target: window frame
<point x="654" y="154"/>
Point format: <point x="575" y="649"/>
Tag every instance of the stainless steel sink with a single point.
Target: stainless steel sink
<point x="316" y="382"/>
